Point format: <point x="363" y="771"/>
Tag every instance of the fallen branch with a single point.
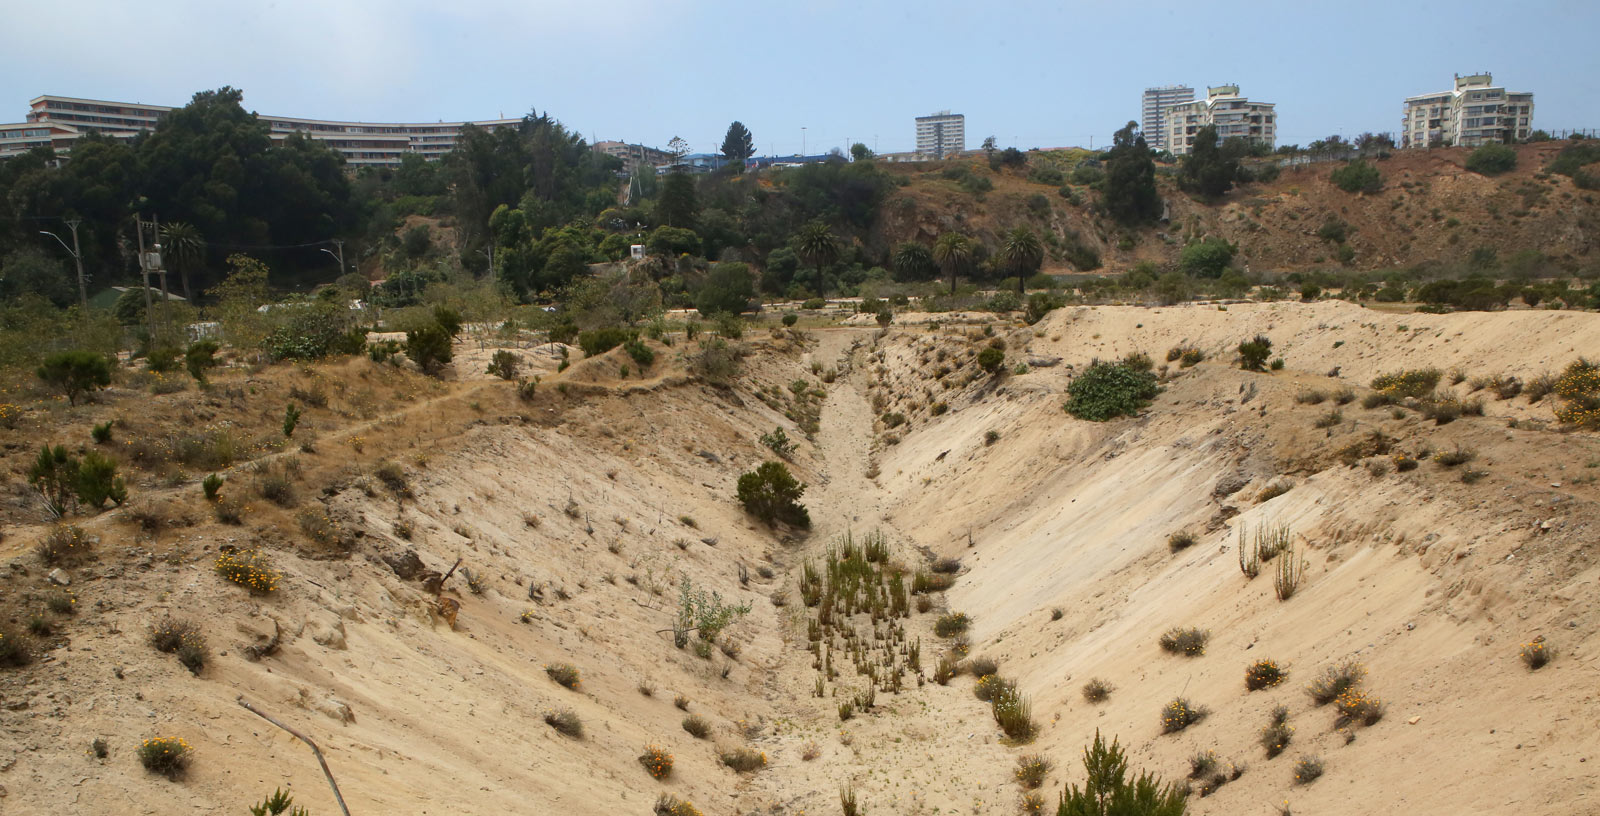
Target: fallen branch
<point x="307" y="740"/>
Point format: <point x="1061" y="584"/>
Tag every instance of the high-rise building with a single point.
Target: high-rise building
<point x="941" y="135"/>
<point x="1234" y="117"/>
<point x="1475" y="112"/>
<point x="634" y="156"/>
<point x="363" y="144"/>
<point x="1152" y="122"/>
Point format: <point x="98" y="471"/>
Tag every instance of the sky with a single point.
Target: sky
<point x="814" y="74"/>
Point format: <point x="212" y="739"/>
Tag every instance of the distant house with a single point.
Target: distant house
<point x="107" y="298"/>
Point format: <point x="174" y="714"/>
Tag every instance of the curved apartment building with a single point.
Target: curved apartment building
<point x="58" y="121"/>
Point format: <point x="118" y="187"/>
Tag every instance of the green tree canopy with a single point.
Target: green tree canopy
<point x="952" y="252"/>
<point x="727" y="288"/>
<point x="75" y="373"/>
<point x="1022" y="252"/>
<point x="677" y="205"/>
<point x="1130" y="181"/>
<point x="738" y="145"/>
<point x="913" y="261"/>
<point x="816" y="245"/>
<point x="1207" y="170"/>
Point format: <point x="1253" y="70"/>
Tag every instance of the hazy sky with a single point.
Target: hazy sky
<point x="1033" y="74"/>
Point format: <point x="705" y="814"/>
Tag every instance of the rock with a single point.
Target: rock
<point x="59" y="578"/>
<point x="432" y="582"/>
<point x="1229" y="485"/>
<point x="336" y="709"/>
<point x="1044" y="362"/>
<point x="1413" y="721"/>
<point x="327" y="630"/>
<point x="406" y="564"/>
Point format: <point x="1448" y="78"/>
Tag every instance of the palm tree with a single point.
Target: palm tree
<point x="1021" y="252"/>
<point x="816" y="244"/>
<point x="185" y="247"/>
<point x="913" y="261"/>
<point x="952" y="252"/>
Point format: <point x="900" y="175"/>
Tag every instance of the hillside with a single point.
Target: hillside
<point x="1430" y="210"/>
<point x="581" y="514"/>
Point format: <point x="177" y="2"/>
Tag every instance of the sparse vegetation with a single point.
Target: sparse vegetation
<point x="951" y="624"/>
<point x="168" y="756"/>
<point x="1109" y="790"/>
<point x="657" y="761"/>
<point x="1032" y="770"/>
<point x="1335" y="681"/>
<point x="1189" y="642"/>
<point x="249" y="569"/>
<point x="565" y="721"/>
<point x="1535" y="654"/>
<point x="697" y="726"/>
<point x="772" y="494"/>
<point x="1264" y="674"/>
<point x="743" y="759"/>
<point x="564" y="674"/>
<point x="1278" y="732"/>
<point x="1180" y="540"/>
<point x="1253" y="353"/>
<point x="1097" y="690"/>
<point x="1180" y="714"/>
<point x="1307" y="769"/>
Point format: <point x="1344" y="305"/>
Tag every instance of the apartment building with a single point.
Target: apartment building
<point x="634" y="156"/>
<point x="941" y="134"/>
<point x="1475" y="112"/>
<point x="1152" y="113"/>
<point x="363" y="144"/>
<point x="1234" y="117"/>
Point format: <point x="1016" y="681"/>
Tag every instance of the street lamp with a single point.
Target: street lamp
<point x="337" y="259"/>
<point x="77" y="257"/>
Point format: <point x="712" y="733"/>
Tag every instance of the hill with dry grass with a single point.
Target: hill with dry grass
<point x="442" y="550"/>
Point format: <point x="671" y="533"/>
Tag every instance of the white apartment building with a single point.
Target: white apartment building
<point x="1475" y="112"/>
<point x="633" y="156"/>
<point x="1234" y="117"/>
<point x="363" y="144"/>
<point x="941" y="135"/>
<point x="1152" y="122"/>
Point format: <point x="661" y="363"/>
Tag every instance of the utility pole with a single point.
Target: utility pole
<point x="161" y="269"/>
<point x="339" y="243"/>
<point x="144" y="277"/>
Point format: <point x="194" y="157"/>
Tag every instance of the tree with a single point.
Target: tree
<point x="678" y="148"/>
<point x="429" y="347"/>
<point x="1130" y="182"/>
<point x="738" y="145"/>
<point x="54" y="474"/>
<point x="816" y="245"/>
<point x="1492" y="160"/>
<point x="1012" y="157"/>
<point x="860" y="152"/>
<point x="727" y="288"/>
<point x="1374" y="141"/>
<point x="677" y="204"/>
<point x="1357" y="177"/>
<point x="772" y="494"/>
<point x="913" y="262"/>
<point x="671" y="242"/>
<point x="992" y="360"/>
<point x="989" y="148"/>
<point x="1108" y="792"/>
<point x="75" y="373"/>
<point x="1207" y="258"/>
<point x="184" y="248"/>
<point x="199" y="357"/>
<point x="1207" y="170"/>
<point x="952" y="251"/>
<point x="1022" y="252"/>
<point x="98" y="481"/>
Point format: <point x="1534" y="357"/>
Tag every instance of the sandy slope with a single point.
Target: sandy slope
<point x="1430" y="582"/>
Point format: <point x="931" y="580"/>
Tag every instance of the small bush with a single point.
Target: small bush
<point x="169" y="633"/>
<point x="1335" y="681"/>
<point x="75" y="373"/>
<point x="1492" y="160"/>
<point x="61" y="603"/>
<point x="168" y="756"/>
<point x="322" y="529"/>
<point x="680" y="702"/>
<point x="947" y="667"/>
<point x="101" y="433"/>
<point x="1344" y="396"/>
<point x="1253" y="353"/>
<point x="1535" y="654"/>
<point x="504" y="364"/>
<point x="1181" y="540"/>
<point x="1310" y="396"/>
<point x="1416" y="383"/>
<point x="1203" y="764"/>
<point x="14" y="650"/>
<point x="249" y="569"/>
<point x="1189" y="642"/>
<point x="989" y="685"/>
<point x="1329" y="420"/>
<point x="789" y="319"/>
<point x="565" y="674"/>
<point x="1032" y="770"/>
<point x="1276" y="735"/>
<point x="1264" y="674"/>
<point x="565" y="721"/>
<point x="1307" y="769"/>
<point x="1452" y="458"/>
<point x="657" y="761"/>
<point x="1180" y="714"/>
<point x="697" y="726"/>
<point x="64" y="544"/>
<point x="744" y="760"/>
<point x="1357" y="706"/>
<point x="983" y="667"/>
<point x="951" y="624"/>
<point x="1013" y="712"/>
<point x="1097" y="690"/>
<point x="211" y="485"/>
<point x="669" y="805"/>
<point x="1403" y="463"/>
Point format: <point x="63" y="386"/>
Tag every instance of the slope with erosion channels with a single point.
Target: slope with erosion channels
<point x="581" y="514"/>
<point x="1432" y="583"/>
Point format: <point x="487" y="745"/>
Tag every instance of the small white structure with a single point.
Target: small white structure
<point x="636" y="251"/>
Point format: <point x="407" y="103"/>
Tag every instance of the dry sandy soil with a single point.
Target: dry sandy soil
<point x="581" y="513"/>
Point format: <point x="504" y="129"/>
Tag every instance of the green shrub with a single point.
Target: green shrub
<point x="1276" y="735"/>
<point x="1106" y="391"/>
<point x="1416" y="383"/>
<point x="1492" y="160"/>
<point x="98" y="481"/>
<point x="504" y="364"/>
<point x="199" y="358"/>
<point x="1335" y="681"/>
<point x="1109" y="789"/>
<point x="640" y="352"/>
<point x="1032" y="770"/>
<point x="1097" y="690"/>
<point x="101" y="433"/>
<point x="168" y="756"/>
<point x="1180" y="540"/>
<point x="991" y="360"/>
<point x="1253" y="353"/>
<point x="277" y="804"/>
<point x="14" y="651"/>
<point x="430" y="347"/>
<point x="1013" y="712"/>
<point x="772" y="494"/>
<point x="211" y="485"/>
<point x="75" y="373"/>
<point x="952" y="624"/>
<point x="697" y="726"/>
<point x="1264" y="674"/>
<point x="1307" y="769"/>
<point x="790" y="318"/>
<point x="64" y="544"/>
<point x="565" y="721"/>
<point x="54" y="473"/>
<point x="1358" y="177"/>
